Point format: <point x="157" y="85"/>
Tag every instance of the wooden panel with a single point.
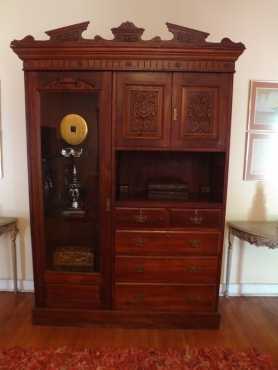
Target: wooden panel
<point x="167" y="270"/>
<point x="137" y="242"/>
<point x="141" y="217"/>
<point x="72" y="296"/>
<point x="201" y="102"/>
<point x="143" y="109"/>
<point x="196" y="217"/>
<point x="56" y="277"/>
<point x="165" y="298"/>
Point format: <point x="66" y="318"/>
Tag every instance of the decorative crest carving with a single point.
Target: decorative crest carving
<point x="69" y="33"/>
<point x="127" y="32"/>
<point x="188" y="35"/>
<point x="69" y="84"/>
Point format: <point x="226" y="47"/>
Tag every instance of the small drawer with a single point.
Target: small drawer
<point x="147" y="217"/>
<point x="167" y="243"/>
<point x="167" y="270"/>
<point x="210" y="218"/>
<point x="72" y="296"/>
<point x="143" y="297"/>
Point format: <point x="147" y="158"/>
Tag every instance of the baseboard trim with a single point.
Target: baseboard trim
<point x="259" y="290"/>
<point x="263" y="290"/>
<point x="7" y="285"/>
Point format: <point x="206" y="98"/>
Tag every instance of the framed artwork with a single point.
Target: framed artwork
<point x="261" y="154"/>
<point x="1" y="167"/>
<point x="263" y="106"/>
<point x="261" y="148"/>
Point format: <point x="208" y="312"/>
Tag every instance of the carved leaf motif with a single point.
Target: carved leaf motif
<point x="68" y="84"/>
<point x="199" y="114"/>
<point x="143" y="112"/>
<point x="127" y="32"/>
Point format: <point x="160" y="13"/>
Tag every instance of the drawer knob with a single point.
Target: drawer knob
<point x="195" y="243"/>
<point x="139" y="269"/>
<point x="139" y="242"/>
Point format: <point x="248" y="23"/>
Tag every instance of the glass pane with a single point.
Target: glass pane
<point x="70" y="181"/>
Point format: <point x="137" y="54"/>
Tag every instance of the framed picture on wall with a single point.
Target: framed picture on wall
<point x="261" y="148"/>
<point x="263" y="106"/>
<point x="261" y="155"/>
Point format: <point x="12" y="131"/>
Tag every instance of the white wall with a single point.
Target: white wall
<point x="251" y="21"/>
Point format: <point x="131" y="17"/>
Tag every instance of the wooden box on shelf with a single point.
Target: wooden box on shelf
<point x="149" y="178"/>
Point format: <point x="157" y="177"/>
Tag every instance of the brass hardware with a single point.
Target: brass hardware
<point x="195" y="243"/>
<point x="139" y="298"/>
<point x="175" y="114"/>
<point x="140" y="269"/>
<point x="192" y="269"/>
<point x="108" y="205"/>
<point x="139" y="242"/>
<point x="140" y="219"/>
<point x="197" y="220"/>
<point x="193" y="299"/>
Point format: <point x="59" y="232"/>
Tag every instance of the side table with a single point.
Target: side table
<point x="8" y="225"/>
<point x="261" y="234"/>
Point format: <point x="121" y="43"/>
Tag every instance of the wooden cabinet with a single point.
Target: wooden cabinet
<point x="128" y="147"/>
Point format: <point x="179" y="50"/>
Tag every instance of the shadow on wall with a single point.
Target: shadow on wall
<point x="258" y="211"/>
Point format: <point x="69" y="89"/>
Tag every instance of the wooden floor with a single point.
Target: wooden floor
<point x="246" y="322"/>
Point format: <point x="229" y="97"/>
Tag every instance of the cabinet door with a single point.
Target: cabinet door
<point x="70" y="184"/>
<point x="201" y="104"/>
<point x="142" y="115"/>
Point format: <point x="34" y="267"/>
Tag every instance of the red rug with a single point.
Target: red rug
<point x="133" y="359"/>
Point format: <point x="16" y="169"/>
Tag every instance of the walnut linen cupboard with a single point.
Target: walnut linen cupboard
<point x="127" y="226"/>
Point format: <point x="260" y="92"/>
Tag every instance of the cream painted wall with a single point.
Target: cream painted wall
<point x="251" y="21"/>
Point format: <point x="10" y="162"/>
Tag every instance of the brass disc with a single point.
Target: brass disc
<point x="73" y="129"/>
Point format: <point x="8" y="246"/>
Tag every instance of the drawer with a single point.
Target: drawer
<point x="196" y="218"/>
<point x="147" y="217"/>
<point x="72" y="296"/>
<point x="167" y="270"/>
<point x="144" y="242"/>
<point x="165" y="298"/>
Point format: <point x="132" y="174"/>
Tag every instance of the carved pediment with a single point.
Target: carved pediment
<point x="69" y="33"/>
<point x="127" y="32"/>
<point x="188" y="35"/>
<point x="69" y="84"/>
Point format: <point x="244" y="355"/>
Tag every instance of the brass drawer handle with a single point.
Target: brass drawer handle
<point x="194" y="243"/>
<point x="196" y="219"/>
<point x="139" y="269"/>
<point x="139" y="298"/>
<point x="139" y="242"/>
<point x="193" y="299"/>
<point x="192" y="269"/>
<point x="140" y="219"/>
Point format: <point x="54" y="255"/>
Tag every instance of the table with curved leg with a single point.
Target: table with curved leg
<point x="9" y="225"/>
<point x="260" y="234"/>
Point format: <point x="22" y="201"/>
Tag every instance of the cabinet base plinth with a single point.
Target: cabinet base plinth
<point x="125" y="319"/>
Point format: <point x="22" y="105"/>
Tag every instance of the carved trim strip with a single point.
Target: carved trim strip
<point x="132" y="65"/>
<point x="69" y="84"/>
<point x="259" y="241"/>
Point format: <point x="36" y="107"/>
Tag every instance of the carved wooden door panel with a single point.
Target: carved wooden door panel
<point x="142" y="114"/>
<point x="201" y="114"/>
